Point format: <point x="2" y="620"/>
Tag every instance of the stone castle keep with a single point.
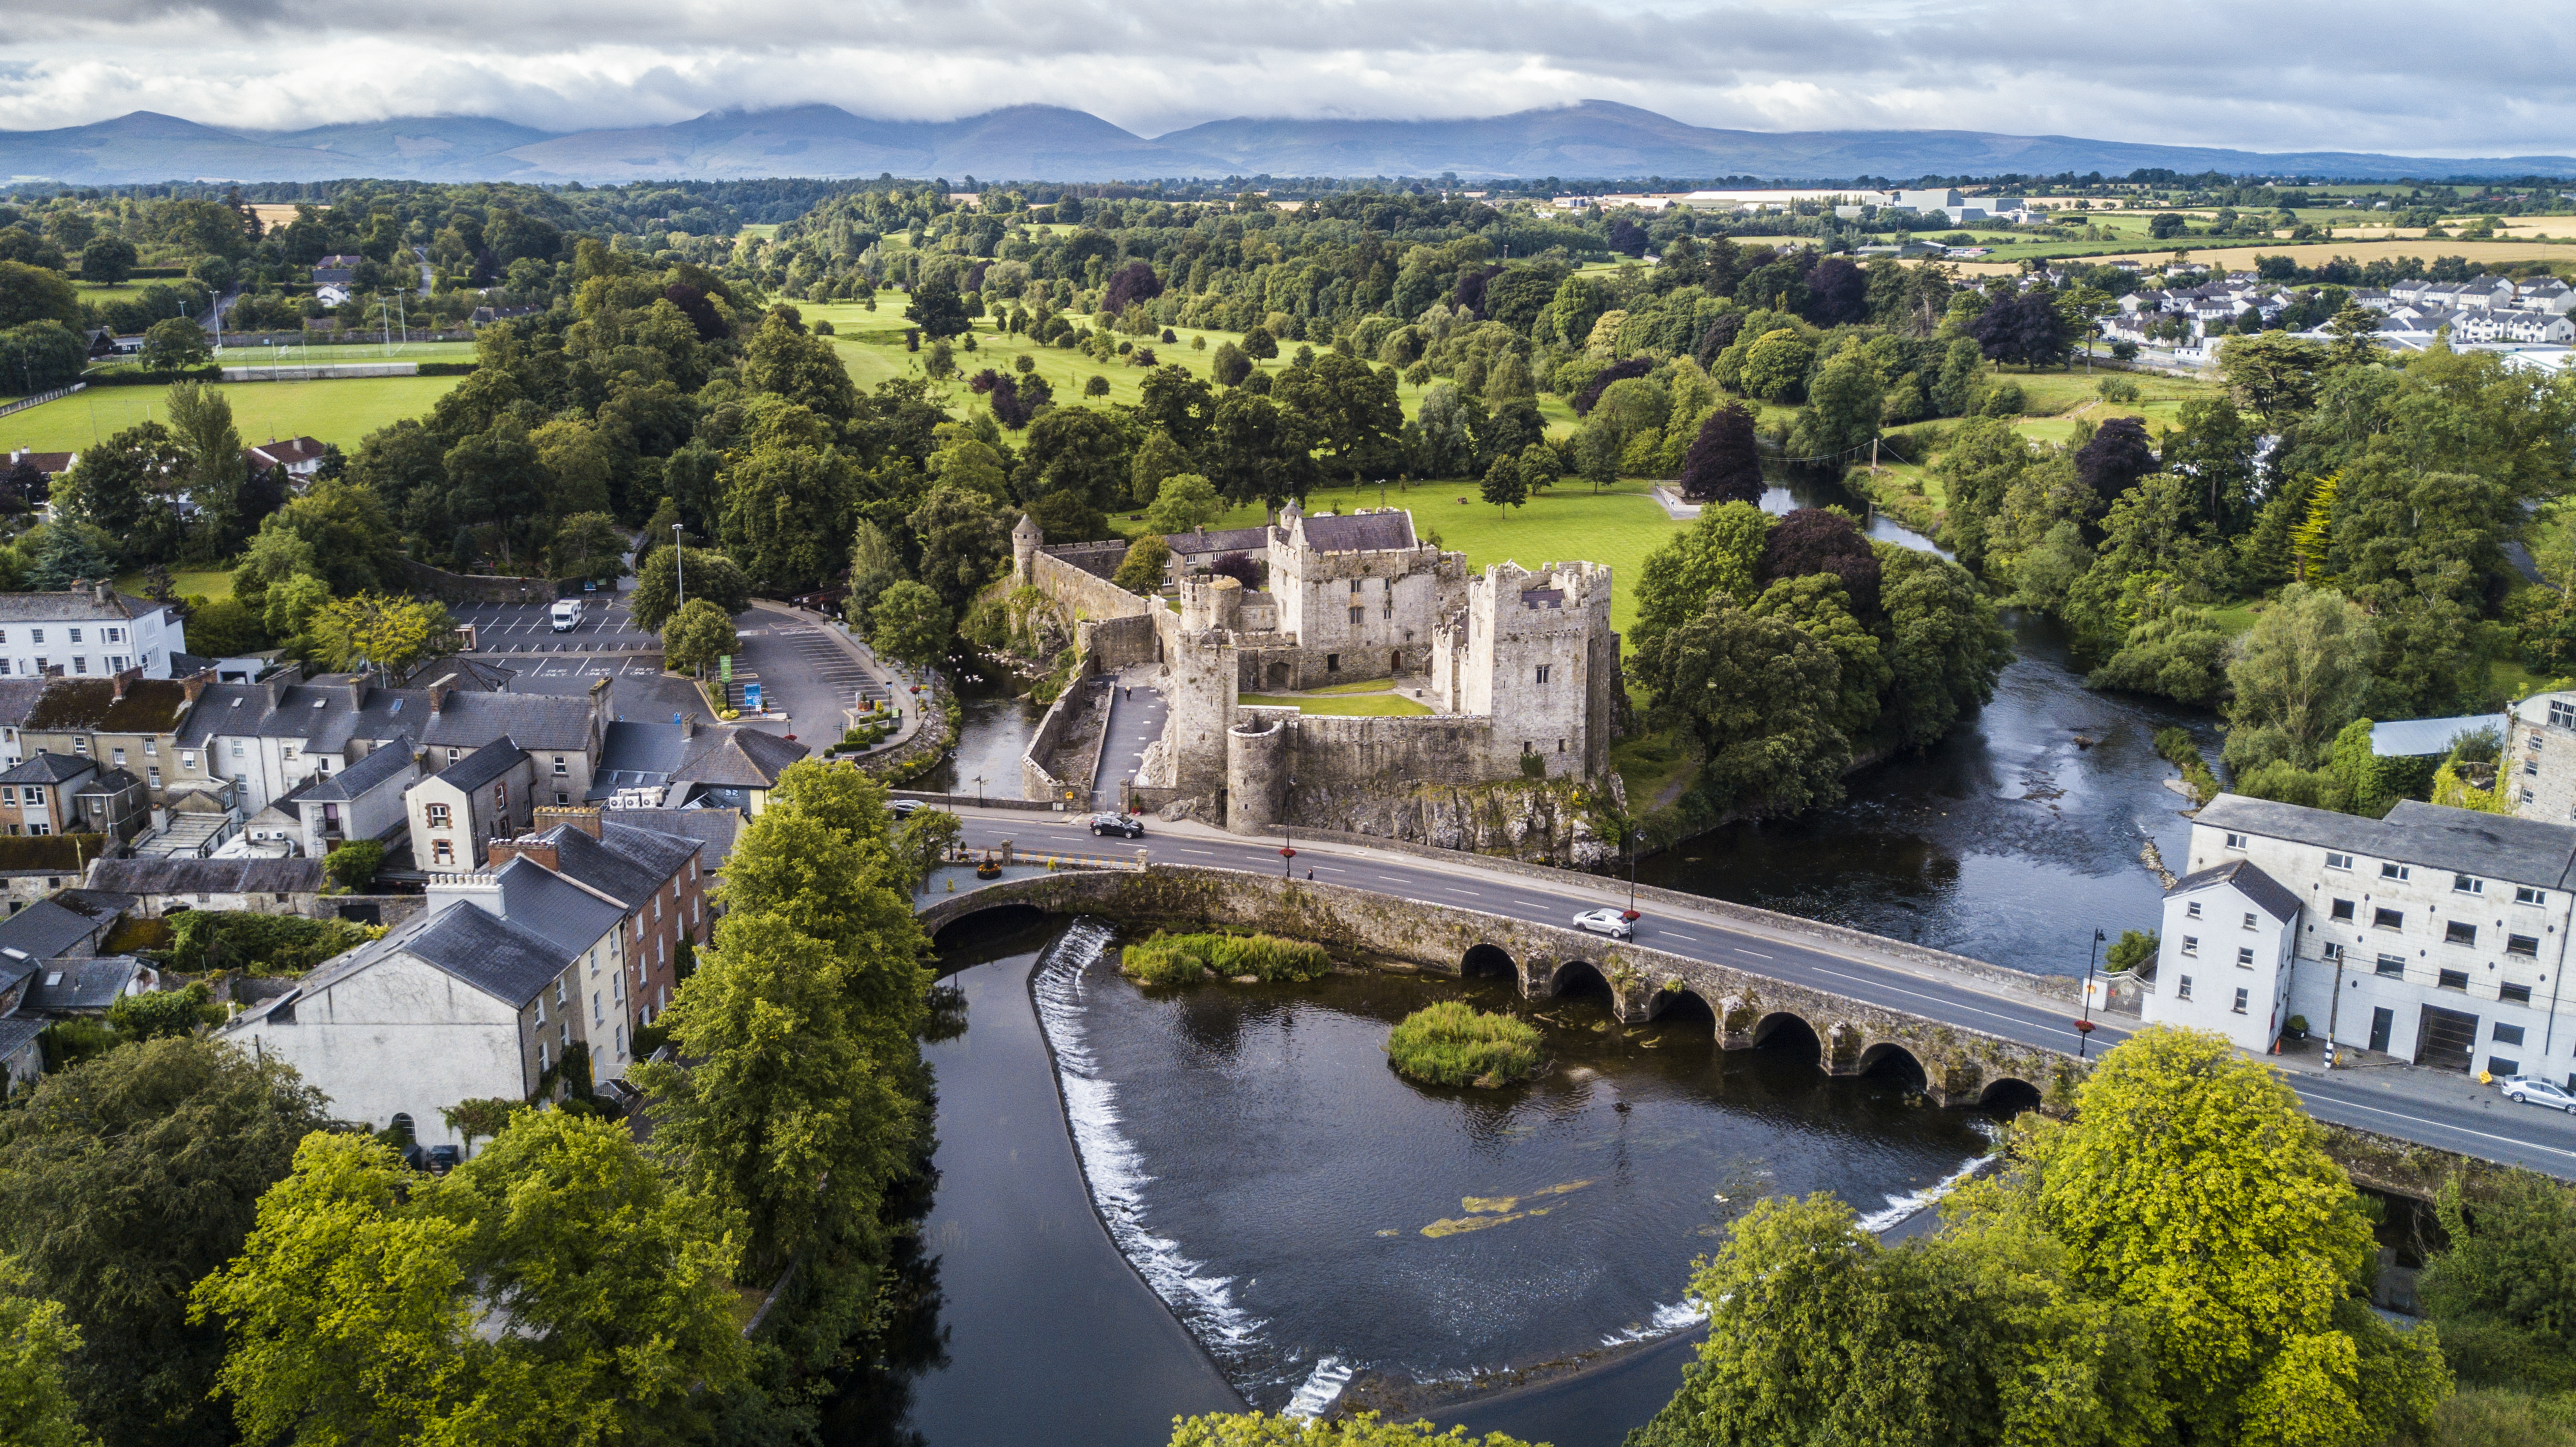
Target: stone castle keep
<point x="1513" y="662"/>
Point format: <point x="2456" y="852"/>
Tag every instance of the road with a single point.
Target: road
<point x="2422" y="1106"/>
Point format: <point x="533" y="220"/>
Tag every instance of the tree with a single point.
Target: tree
<point x="390" y="634"/>
<point x="1186" y="502"/>
<point x="1945" y="646"/>
<point x="37" y="1345"/>
<point x="107" y="260"/>
<point x="1817" y="604"/>
<point x="355" y="546"/>
<point x="2299" y="674"/>
<point x="66" y="552"/>
<point x="787" y="513"/>
<point x="2181" y="654"/>
<point x="125" y="1181"/>
<point x="911" y="624"/>
<point x="1844" y="402"/>
<point x="1352" y="411"/>
<point x="875" y="565"/>
<point x="1229" y="366"/>
<point x="588" y="547"/>
<point x="201" y="426"/>
<point x="697" y="635"/>
<point x="936" y="309"/>
<point x="353" y="865"/>
<point x="2506" y="1284"/>
<point x="1724" y="465"/>
<point x="1260" y="345"/>
<point x="1503" y="486"/>
<point x="2025" y="327"/>
<point x="1776" y="365"/>
<point x="1718" y="557"/>
<point x="174" y="343"/>
<point x="356" y="1309"/>
<point x="1760" y="696"/>
<point x="481" y="1118"/>
<point x="2274" y="374"/>
<point x="128" y="487"/>
<point x="702" y="572"/>
<point x="784" y="360"/>
<point x="1142" y="570"/>
<point x="964" y="536"/>
<point x="33" y="293"/>
<point x="1081" y="450"/>
<point x="2115" y="459"/>
<point x="40" y="356"/>
<point x="1260" y="452"/>
<point x="1820" y="540"/>
<point x="159" y="1013"/>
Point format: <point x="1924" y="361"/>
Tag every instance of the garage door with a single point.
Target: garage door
<point x="2446" y="1038"/>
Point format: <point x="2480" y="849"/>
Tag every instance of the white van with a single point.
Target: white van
<point x="567" y="614"/>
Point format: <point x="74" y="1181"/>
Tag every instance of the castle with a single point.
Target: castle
<point x="1515" y="664"/>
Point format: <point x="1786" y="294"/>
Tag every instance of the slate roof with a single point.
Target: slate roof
<point x="715" y="828"/>
<point x="534" y="898"/>
<point x="226" y="708"/>
<point x="625" y="863"/>
<point x="1361" y="532"/>
<point x="483" y="765"/>
<point x="49" y="853"/>
<point x="325" y="716"/>
<point x="539" y="723"/>
<point x="2266" y="892"/>
<point x="47" y="767"/>
<point x="388" y="762"/>
<point x="470" y="675"/>
<point x="632" y="755"/>
<point x="18" y="698"/>
<point x="2463" y="841"/>
<point x="502" y="958"/>
<point x="1222" y="540"/>
<point x="77" y="605"/>
<point x="114" y="781"/>
<point x="47" y="928"/>
<point x="17" y="1030"/>
<point x="208" y="876"/>
<point x="80" y="984"/>
<point x="738" y="757"/>
<point x="150" y="705"/>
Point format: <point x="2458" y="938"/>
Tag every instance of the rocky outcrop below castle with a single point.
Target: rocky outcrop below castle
<point x="1554" y="821"/>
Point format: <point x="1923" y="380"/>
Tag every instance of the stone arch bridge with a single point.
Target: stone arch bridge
<point x="1954" y="1065"/>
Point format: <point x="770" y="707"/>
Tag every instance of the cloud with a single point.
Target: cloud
<point x="2303" y="75"/>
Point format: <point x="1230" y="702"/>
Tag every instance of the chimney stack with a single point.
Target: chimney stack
<point x="194" y="686"/>
<point x="582" y="817"/>
<point x="479" y="888"/>
<point x="502" y="851"/>
<point x="438" y="693"/>
<point x="118" y="684"/>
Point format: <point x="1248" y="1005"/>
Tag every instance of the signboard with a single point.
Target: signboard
<point x="751" y="698"/>
<point x="724" y="667"/>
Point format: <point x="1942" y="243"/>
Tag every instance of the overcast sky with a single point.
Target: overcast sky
<point x="2437" y="79"/>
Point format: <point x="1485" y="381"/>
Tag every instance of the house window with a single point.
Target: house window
<point x="34" y="794"/>
<point x="2341" y="911"/>
<point x="2190" y="946"/>
<point x="2459" y="932"/>
<point x="80" y="663"/>
<point x="2514" y="994"/>
<point x="2507" y="1034"/>
<point x="2182" y="991"/>
<point x="541" y="1054"/>
<point x="2339" y="861"/>
<point x="454" y="754"/>
<point x="560" y="770"/>
<point x="2467" y="884"/>
<point x="113" y="635"/>
<point x="443" y="852"/>
<point x="2498" y="1065"/>
<point x="2525" y="894"/>
<point x="187" y="758"/>
<point x="2391" y="967"/>
<point x="437" y="816"/>
<point x="2235" y="841"/>
<point x="501" y="795"/>
<point x="2452" y="980"/>
<point x="2333" y="954"/>
<point x="2387" y="919"/>
<point x="2398" y="872"/>
<point x="597" y="1015"/>
<point x="2244" y="957"/>
<point x="286" y="751"/>
<point x="76" y="635"/>
<point x="2249" y="919"/>
<point x="1332" y="663"/>
<point x="2239" y="1006"/>
<point x="2191" y="910"/>
<point x="2562" y="714"/>
<point x="237" y="748"/>
<point x="80" y="746"/>
<point x="40" y="664"/>
<point x="621" y="1039"/>
<point x="155" y="772"/>
<point x="2527" y="946"/>
<point x="40" y="830"/>
<point x="560" y="995"/>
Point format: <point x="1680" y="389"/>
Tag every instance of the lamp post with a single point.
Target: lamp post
<point x="2334" y="1007"/>
<point x="2084" y="1026"/>
<point x="1628" y="826"/>
<point x="1287" y="833"/>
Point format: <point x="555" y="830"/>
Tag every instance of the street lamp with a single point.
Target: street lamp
<point x="2084" y="1026"/>
<point x="1287" y="832"/>
<point x="1628" y="826"/>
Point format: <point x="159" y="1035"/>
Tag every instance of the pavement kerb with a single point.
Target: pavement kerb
<point x="913" y="716"/>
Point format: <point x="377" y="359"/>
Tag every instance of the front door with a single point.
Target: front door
<point x="2446" y="1038"/>
<point x="2381" y="1022"/>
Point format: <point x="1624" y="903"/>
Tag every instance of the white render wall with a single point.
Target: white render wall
<point x="2226" y="955"/>
<point x="401" y="1035"/>
<point x="93" y="647"/>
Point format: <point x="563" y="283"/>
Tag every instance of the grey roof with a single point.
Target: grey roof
<point x="18" y="699"/>
<point x="539" y="723"/>
<point x="740" y="757"/>
<point x="2417" y="737"/>
<point x="47" y="767"/>
<point x="392" y="761"/>
<point x="225" y="708"/>
<point x="46" y="929"/>
<point x="649" y="752"/>
<point x="17" y="1030"/>
<point x="2253" y="883"/>
<point x="534" y="898"/>
<point x="1361" y="532"/>
<point x="502" y="958"/>
<point x="324" y="716"/>
<point x="483" y="765"/>
<point x="715" y="828"/>
<point x="208" y="876"/>
<point x="80" y="984"/>
<point x="72" y="606"/>
<point x="625" y="862"/>
<point x="2463" y="841"/>
<point x="1222" y="540"/>
<point x="114" y="781"/>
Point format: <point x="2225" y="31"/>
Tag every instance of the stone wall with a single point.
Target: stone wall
<point x="447" y="587"/>
<point x="1084" y="593"/>
<point x="1540" y="821"/>
<point x="1099" y="559"/>
<point x="1036" y="782"/>
<point x="1959" y="1066"/>
<point x="1110" y="644"/>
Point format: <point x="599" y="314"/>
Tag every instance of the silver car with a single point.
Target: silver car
<point x="2531" y="1090"/>
<point x="1611" y="922"/>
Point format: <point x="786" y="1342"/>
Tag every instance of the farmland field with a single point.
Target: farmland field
<point x="342" y="411"/>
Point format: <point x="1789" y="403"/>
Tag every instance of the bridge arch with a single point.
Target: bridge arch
<point x="999" y="917"/>
<point x="1889" y="1060"/>
<point x="1579" y="978"/>
<point x="1783" y="1031"/>
<point x="1487" y="962"/>
<point x="1682" y="1006"/>
<point x="2008" y="1096"/>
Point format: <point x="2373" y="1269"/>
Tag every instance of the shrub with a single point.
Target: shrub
<point x="2178" y="750"/>
<point x="165" y="1012"/>
<point x="1454" y="1043"/>
<point x="260" y="944"/>
<point x="1180" y="959"/>
<point x="353" y="865"/>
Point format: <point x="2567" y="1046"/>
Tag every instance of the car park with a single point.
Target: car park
<point x="1611" y="922"/>
<point x="2531" y="1090"/>
<point x="565" y="615"/>
<point x="1126" y="826"/>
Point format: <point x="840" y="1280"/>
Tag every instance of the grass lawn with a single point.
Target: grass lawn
<point x="1365" y="685"/>
<point x="341" y="411"/>
<point x="214" y="587"/>
<point x="1368" y="705"/>
<point x="296" y="356"/>
<point x="1654" y="766"/>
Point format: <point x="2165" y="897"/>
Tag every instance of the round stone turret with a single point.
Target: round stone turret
<point x="1025" y="542"/>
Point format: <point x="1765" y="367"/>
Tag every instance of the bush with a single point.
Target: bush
<point x="1184" y="959"/>
<point x="1454" y="1043"/>
<point x="1533" y="765"/>
<point x="353" y="865"/>
<point x="260" y="944"/>
<point x="2132" y="949"/>
<point x="166" y="1012"/>
<point x="2178" y="750"/>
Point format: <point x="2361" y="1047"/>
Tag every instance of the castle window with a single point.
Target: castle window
<point x="1332" y="663"/>
<point x="1542" y="673"/>
<point x="1358" y="614"/>
<point x="1560" y="746"/>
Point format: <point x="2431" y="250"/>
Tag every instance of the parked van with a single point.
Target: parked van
<point x="567" y="614"/>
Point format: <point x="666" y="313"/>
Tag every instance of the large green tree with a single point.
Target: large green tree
<point x="1717" y="556"/>
<point x="37" y="1343"/>
<point x="2300" y="674"/>
<point x="1945" y="648"/>
<point x="964" y="540"/>
<point x="910" y="624"/>
<point x="1761" y="697"/>
<point x="698" y="572"/>
<point x="129" y="487"/>
<point x="123" y="1182"/>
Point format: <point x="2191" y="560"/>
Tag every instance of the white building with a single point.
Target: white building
<point x="91" y="631"/>
<point x="2437" y="935"/>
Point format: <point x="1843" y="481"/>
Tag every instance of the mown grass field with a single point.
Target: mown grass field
<point x="214" y="587"/>
<point x="1364" y="705"/>
<point x="297" y="356"/>
<point x="342" y="411"/>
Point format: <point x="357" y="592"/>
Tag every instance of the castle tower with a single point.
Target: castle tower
<point x="1025" y="542"/>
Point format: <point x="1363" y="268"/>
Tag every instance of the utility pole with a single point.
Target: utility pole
<point x="2334" y="1008"/>
<point x="2084" y="1026"/>
<point x="1873" y="457"/>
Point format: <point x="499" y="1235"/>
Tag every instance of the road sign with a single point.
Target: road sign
<point x="751" y="697"/>
<point x="724" y="667"/>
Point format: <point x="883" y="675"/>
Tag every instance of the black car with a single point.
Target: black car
<point x="443" y="1159"/>
<point x="1126" y="826"/>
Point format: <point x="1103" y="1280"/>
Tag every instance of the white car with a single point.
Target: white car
<point x="1611" y="922"/>
<point x="2532" y="1091"/>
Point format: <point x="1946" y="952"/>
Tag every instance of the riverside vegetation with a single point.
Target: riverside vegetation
<point x="1451" y="1042"/>
<point x="1168" y="959"/>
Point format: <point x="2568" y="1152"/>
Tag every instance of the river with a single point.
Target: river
<point x="1324" y="1227"/>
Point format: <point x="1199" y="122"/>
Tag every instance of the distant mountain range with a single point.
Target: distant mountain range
<point x="1593" y="140"/>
